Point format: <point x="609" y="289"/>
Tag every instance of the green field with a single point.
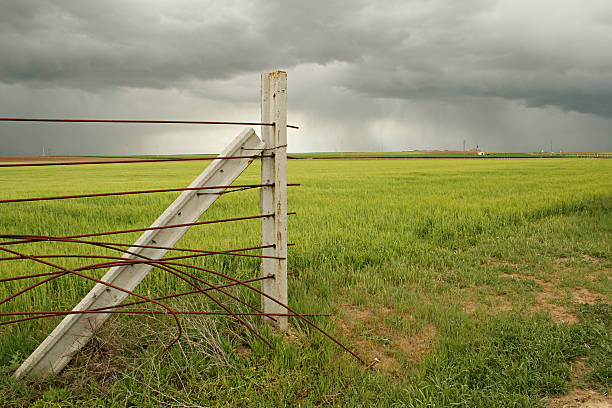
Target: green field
<point x="477" y="283"/>
<point x="417" y="154"/>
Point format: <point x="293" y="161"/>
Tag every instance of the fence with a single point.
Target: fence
<point x="109" y="294"/>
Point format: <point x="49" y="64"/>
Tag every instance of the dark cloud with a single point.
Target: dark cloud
<point x="163" y="44"/>
<point x="547" y="54"/>
<point x="362" y="75"/>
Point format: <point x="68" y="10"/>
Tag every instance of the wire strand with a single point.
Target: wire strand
<point x="143" y="121"/>
<point x="133" y="161"/>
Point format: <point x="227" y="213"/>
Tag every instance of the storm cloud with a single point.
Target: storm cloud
<point x="393" y="75"/>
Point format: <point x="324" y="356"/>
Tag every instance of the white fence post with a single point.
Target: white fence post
<point x="274" y="199"/>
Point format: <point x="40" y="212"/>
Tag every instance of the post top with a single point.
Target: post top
<point x="275" y="73"/>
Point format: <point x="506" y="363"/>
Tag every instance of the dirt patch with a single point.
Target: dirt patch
<point x="470" y="306"/>
<point x="579" y="397"/>
<point x="591" y="267"/>
<point x="547" y="285"/>
<point x="373" y="339"/>
<point x="560" y="315"/>
<point x="493" y="303"/>
<point x="579" y="369"/>
<point x="595" y="260"/>
<point x="585" y="296"/>
<point x="244" y="351"/>
<point x="351" y="315"/>
<point x="366" y="345"/>
<point x="545" y="300"/>
<point x="415" y="346"/>
<point x="579" y="294"/>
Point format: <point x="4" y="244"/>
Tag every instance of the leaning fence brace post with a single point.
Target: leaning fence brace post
<point x="75" y="330"/>
<point x="273" y="200"/>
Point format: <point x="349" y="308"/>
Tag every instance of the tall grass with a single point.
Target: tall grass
<point x="408" y="242"/>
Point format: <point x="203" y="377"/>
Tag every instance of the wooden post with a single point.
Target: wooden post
<point x="274" y="199"/>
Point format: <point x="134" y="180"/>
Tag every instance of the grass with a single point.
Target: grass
<point x="476" y="284"/>
<point x="416" y="154"/>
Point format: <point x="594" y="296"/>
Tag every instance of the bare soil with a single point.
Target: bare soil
<point x="580" y="397"/>
<point x="382" y="342"/>
<point x="546" y="299"/>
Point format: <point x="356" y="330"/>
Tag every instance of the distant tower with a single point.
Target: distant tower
<point x="464" y="145"/>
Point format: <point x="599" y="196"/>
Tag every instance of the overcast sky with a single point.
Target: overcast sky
<point x="508" y="75"/>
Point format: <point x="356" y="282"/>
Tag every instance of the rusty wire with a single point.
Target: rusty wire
<point x="168" y="265"/>
<point x="178" y="273"/>
<point x="133" y="192"/>
<point x="161" y="265"/>
<point x="117" y="261"/>
<point x="164" y="264"/>
<point x="61" y="272"/>
<point x="277" y="302"/>
<point x="129" y="292"/>
<point x="171" y="267"/>
<point x="97" y="234"/>
<point x="68" y="312"/>
<point x="124" y="161"/>
<point x="175" y="295"/>
<point x="173" y="271"/>
<point x="232" y="252"/>
<point x="140" y="121"/>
